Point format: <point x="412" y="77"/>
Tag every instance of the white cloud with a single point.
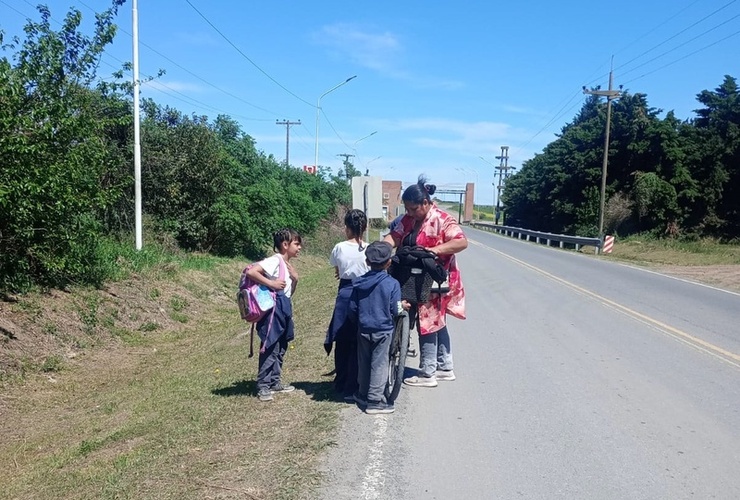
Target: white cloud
<point x="381" y="51"/>
<point x="378" y="51"/>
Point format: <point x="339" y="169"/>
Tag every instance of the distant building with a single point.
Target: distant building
<point x="392" y="204"/>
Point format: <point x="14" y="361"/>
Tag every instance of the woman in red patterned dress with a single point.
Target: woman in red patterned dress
<point x="427" y="226"/>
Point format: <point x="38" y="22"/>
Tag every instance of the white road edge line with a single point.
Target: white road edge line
<point x="374" y="479"/>
<point x="718" y="352"/>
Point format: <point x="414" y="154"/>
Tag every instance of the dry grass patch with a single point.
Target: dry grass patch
<point x="170" y="412"/>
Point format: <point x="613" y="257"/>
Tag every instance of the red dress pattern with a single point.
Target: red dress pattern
<point x="438" y="227"/>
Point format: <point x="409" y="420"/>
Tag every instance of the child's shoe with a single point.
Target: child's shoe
<point x="281" y="388"/>
<point x="379" y="407"/>
<point x="359" y="399"/>
<point x="264" y="395"/>
<point x="445" y="375"/>
<point x="420" y="381"/>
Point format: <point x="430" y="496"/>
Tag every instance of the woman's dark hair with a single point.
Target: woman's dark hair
<point x="284" y="235"/>
<point x="356" y="221"/>
<point x="417" y="193"/>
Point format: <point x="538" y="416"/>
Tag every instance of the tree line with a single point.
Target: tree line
<point x="666" y="177"/>
<point x="66" y="174"/>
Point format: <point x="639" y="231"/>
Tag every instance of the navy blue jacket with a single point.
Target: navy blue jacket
<point x="375" y="301"/>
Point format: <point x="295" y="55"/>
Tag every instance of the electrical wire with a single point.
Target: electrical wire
<point x="677" y="34"/>
<point x="681" y="45"/>
<point x="687" y="55"/>
<point x="193" y="74"/>
<point x="247" y="57"/>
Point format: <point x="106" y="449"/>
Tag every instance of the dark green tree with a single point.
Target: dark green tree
<point x="52" y="155"/>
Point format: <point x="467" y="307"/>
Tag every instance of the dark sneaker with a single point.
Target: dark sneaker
<point x="349" y="398"/>
<point x="379" y="408"/>
<point x="265" y="395"/>
<point x="359" y="399"/>
<point x="281" y="388"/>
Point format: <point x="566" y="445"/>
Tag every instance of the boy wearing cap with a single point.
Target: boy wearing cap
<point x="375" y="301"/>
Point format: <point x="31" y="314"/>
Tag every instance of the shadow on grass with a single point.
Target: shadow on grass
<point x="242" y="388"/>
<point x="319" y="391"/>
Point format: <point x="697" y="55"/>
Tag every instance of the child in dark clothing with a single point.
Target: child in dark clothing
<point x="374" y="303"/>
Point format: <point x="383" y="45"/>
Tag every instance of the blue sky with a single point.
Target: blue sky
<point x="439" y="84"/>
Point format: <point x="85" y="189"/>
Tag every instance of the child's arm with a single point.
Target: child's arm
<point x="396" y="303"/>
<point x="257" y="274"/>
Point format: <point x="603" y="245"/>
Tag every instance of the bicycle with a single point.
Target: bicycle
<point x="417" y="284"/>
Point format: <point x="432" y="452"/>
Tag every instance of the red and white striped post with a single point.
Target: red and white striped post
<point x="608" y="244"/>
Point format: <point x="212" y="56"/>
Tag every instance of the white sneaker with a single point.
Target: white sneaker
<point x="447" y="375"/>
<point x="417" y="381"/>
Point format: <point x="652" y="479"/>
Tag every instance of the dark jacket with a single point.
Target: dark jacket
<point x="421" y="258"/>
<point x="375" y="301"/>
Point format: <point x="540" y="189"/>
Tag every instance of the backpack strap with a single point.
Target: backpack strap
<point x="282" y="267"/>
<point x="282" y="271"/>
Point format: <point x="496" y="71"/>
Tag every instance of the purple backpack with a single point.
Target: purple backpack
<point x="256" y="300"/>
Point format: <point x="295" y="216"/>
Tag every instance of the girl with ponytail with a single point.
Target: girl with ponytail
<point x="348" y="259"/>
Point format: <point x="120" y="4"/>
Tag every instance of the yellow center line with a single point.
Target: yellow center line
<point x="720" y="353"/>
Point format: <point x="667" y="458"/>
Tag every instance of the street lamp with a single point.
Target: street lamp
<point x="318" y="111"/>
<point x="354" y="145"/>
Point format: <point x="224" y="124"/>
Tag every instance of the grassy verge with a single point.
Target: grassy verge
<point x="705" y="252"/>
<point x="164" y="407"/>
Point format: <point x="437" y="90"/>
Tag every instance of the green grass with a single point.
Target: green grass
<point x="171" y="413"/>
<point x="703" y="252"/>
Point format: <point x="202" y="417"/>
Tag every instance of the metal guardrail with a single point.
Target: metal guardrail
<point x="539" y="237"/>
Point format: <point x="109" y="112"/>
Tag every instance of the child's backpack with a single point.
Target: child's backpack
<point x="256" y="300"/>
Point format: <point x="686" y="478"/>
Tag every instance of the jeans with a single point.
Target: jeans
<point x="372" y="360"/>
<point x="271" y="363"/>
<point x="435" y="353"/>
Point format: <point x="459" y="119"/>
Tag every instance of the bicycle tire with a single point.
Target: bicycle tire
<point x="397" y="357"/>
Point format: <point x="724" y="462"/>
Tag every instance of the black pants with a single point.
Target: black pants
<point x="345" y="361"/>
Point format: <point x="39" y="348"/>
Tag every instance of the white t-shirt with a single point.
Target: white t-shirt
<point x="272" y="271"/>
<point x="348" y="258"/>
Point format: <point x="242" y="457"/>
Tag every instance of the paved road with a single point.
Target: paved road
<point x="578" y="378"/>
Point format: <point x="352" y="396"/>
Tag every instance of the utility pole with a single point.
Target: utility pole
<point x="287" y="124"/>
<point x="610" y="95"/>
<point x="503" y="174"/>
<point x="345" y="162"/>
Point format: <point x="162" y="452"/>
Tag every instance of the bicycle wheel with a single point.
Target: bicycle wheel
<point x="397" y="357"/>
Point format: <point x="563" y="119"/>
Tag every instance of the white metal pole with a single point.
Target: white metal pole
<point x="137" y="132"/>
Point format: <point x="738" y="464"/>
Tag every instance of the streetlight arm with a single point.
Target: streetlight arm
<point x="318" y="111"/>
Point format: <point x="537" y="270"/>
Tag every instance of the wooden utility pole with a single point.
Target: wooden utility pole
<point x="610" y="95"/>
<point x="287" y="124"/>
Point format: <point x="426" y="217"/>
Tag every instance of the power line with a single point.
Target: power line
<point x="195" y="75"/>
<point x="656" y="27"/>
<point x="247" y="57"/>
<point x="335" y="130"/>
<point x="684" y="57"/>
<point x="679" y="33"/>
<point x="681" y="45"/>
